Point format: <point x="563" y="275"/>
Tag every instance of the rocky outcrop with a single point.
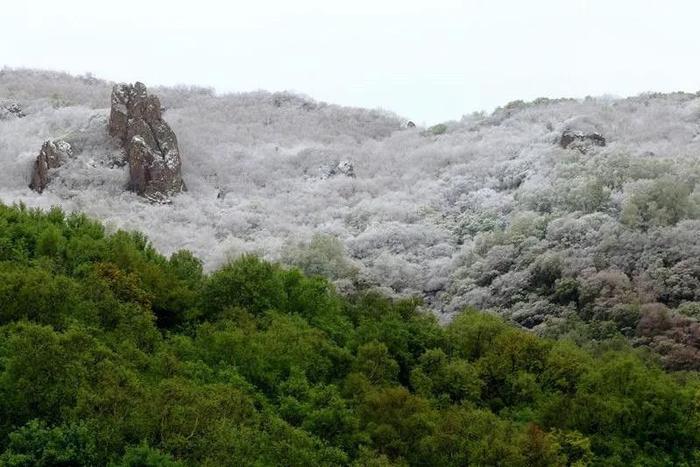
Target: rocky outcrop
<point x="344" y="167"/>
<point x="571" y="139"/>
<point x="150" y="144"/>
<point x="13" y="110"/>
<point x="53" y="154"/>
<point x="286" y="99"/>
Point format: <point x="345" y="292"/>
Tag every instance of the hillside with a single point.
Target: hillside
<point x="112" y="354"/>
<point x="588" y="241"/>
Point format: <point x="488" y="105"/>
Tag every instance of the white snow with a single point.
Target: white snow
<point x="423" y="211"/>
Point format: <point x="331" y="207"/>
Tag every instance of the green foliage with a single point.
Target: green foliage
<point x="587" y="195"/>
<point x="111" y="354"/>
<point x="248" y="283"/>
<point x="323" y="256"/>
<point x="36" y="445"/>
<point x="145" y="456"/>
<point x="375" y="363"/>
<point x="450" y="381"/>
<point x="658" y="202"/>
<point x="438" y="129"/>
<point x="471" y="334"/>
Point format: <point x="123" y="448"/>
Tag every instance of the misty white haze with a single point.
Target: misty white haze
<point x="427" y="61"/>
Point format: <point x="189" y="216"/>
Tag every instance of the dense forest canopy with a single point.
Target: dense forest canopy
<point x="111" y="353"/>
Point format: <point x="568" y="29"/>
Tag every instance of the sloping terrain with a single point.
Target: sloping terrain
<point x="112" y="354"/>
<point x="490" y="211"/>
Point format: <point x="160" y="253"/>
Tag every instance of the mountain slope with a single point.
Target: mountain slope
<point x="112" y="354"/>
<point x="489" y="211"/>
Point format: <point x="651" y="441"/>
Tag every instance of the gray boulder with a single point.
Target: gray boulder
<point x="15" y="109"/>
<point x="12" y="110"/>
<point x="343" y="167"/>
<point x="53" y="154"/>
<point x="582" y="141"/>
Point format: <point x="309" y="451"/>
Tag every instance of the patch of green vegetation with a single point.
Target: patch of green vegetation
<point x="438" y="129"/>
<point x="111" y="354"/>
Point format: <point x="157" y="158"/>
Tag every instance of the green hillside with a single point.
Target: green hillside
<point x="111" y="353"/>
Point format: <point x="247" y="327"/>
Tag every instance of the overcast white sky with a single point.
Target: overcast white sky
<point x="428" y="60"/>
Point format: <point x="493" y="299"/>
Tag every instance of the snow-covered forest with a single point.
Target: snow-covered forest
<point x="489" y="211"/>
